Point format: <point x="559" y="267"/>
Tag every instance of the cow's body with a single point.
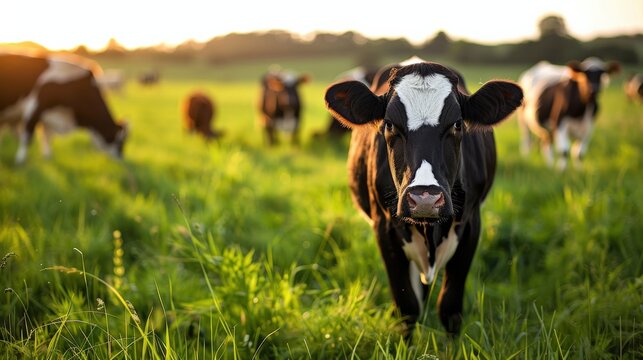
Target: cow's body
<point x="58" y="94"/>
<point x="421" y="174"/>
<point x="561" y="103"/>
<point x="198" y="113"/>
<point x="281" y="105"/>
<point x="634" y="87"/>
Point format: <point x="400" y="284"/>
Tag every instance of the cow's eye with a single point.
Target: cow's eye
<point x="458" y="125"/>
<point x="388" y="126"/>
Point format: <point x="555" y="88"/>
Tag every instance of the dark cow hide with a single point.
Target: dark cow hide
<point x="422" y="159"/>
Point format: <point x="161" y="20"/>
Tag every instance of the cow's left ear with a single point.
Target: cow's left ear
<point x="613" y="67"/>
<point x="493" y="102"/>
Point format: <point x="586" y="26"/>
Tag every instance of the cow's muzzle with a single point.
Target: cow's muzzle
<point x="425" y="201"/>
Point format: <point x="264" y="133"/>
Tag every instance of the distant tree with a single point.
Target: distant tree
<point x="552" y="25"/>
<point x="81" y="50"/>
<point x="114" y="49"/>
<point x="439" y="45"/>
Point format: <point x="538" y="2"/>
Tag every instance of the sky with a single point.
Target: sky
<point x="65" y="24"/>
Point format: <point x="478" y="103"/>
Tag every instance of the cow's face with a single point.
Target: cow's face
<point x="282" y="91"/>
<point x="113" y="146"/>
<point x="423" y="118"/>
<point x="594" y="73"/>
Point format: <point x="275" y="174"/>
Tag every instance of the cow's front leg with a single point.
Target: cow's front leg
<point x="397" y="270"/>
<point x="46" y="141"/>
<point x="580" y="148"/>
<point x="26" y="135"/>
<point x="271" y="137"/>
<point x="563" y="144"/>
<point x="452" y="293"/>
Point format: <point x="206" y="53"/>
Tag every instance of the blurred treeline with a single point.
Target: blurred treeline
<point x="554" y="44"/>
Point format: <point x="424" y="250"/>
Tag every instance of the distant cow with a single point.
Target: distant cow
<point x="198" y="113"/>
<point x="280" y="104"/>
<point x="634" y="87"/>
<point x="361" y="74"/>
<point x="561" y="103"/>
<point x="60" y="94"/>
<point x="150" y="77"/>
<point x="111" y="80"/>
<point x="422" y="159"/>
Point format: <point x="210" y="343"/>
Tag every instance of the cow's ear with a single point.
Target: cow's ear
<point x="353" y="103"/>
<point x="492" y="103"/>
<point x="575" y="66"/>
<point x="613" y="67"/>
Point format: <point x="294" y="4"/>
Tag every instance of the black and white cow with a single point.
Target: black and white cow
<point x="634" y="87"/>
<point x="280" y="104"/>
<point x="58" y="93"/>
<point x="421" y="161"/>
<point x="561" y="103"/>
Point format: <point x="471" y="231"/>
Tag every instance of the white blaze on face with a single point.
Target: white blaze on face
<point x="424" y="176"/>
<point x="423" y="98"/>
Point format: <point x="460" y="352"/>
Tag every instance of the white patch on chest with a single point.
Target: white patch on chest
<point x="444" y="252"/>
<point x="59" y="120"/>
<point x="581" y="129"/>
<point x="424" y="176"/>
<point x="423" y="98"/>
<point x="417" y="252"/>
<point x="288" y="123"/>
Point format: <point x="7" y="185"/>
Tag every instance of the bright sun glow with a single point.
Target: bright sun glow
<point x="65" y="24"/>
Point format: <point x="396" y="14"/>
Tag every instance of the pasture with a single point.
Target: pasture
<point x="188" y="249"/>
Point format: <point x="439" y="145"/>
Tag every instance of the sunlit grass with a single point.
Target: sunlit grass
<point x="232" y="250"/>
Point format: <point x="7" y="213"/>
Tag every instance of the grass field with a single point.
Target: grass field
<point x="231" y="250"/>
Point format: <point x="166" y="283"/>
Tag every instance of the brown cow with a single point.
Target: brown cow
<point x="198" y="112"/>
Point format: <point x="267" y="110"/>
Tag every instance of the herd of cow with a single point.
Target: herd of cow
<point x="422" y="155"/>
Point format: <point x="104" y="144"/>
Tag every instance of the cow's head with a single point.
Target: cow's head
<point x="112" y="142"/>
<point x="593" y="73"/>
<point x="281" y="91"/>
<point x="423" y="117"/>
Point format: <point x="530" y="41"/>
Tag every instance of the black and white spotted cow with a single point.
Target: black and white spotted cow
<point x="561" y="103"/>
<point x="422" y="159"/>
<point x="280" y="104"/>
<point x="62" y="95"/>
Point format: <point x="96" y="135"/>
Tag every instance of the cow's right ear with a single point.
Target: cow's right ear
<point x="575" y="66"/>
<point x="353" y="103"/>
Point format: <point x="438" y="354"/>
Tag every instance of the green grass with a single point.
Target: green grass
<point x="232" y="250"/>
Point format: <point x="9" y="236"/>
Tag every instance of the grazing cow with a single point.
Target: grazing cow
<point x="198" y="112"/>
<point x="61" y="95"/>
<point x="634" y="87"/>
<point x="365" y="76"/>
<point x="422" y="159"/>
<point x="280" y="104"/>
<point x="561" y="103"/>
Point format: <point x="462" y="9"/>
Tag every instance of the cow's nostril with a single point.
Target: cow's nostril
<point x="412" y="203"/>
<point x="439" y="202"/>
